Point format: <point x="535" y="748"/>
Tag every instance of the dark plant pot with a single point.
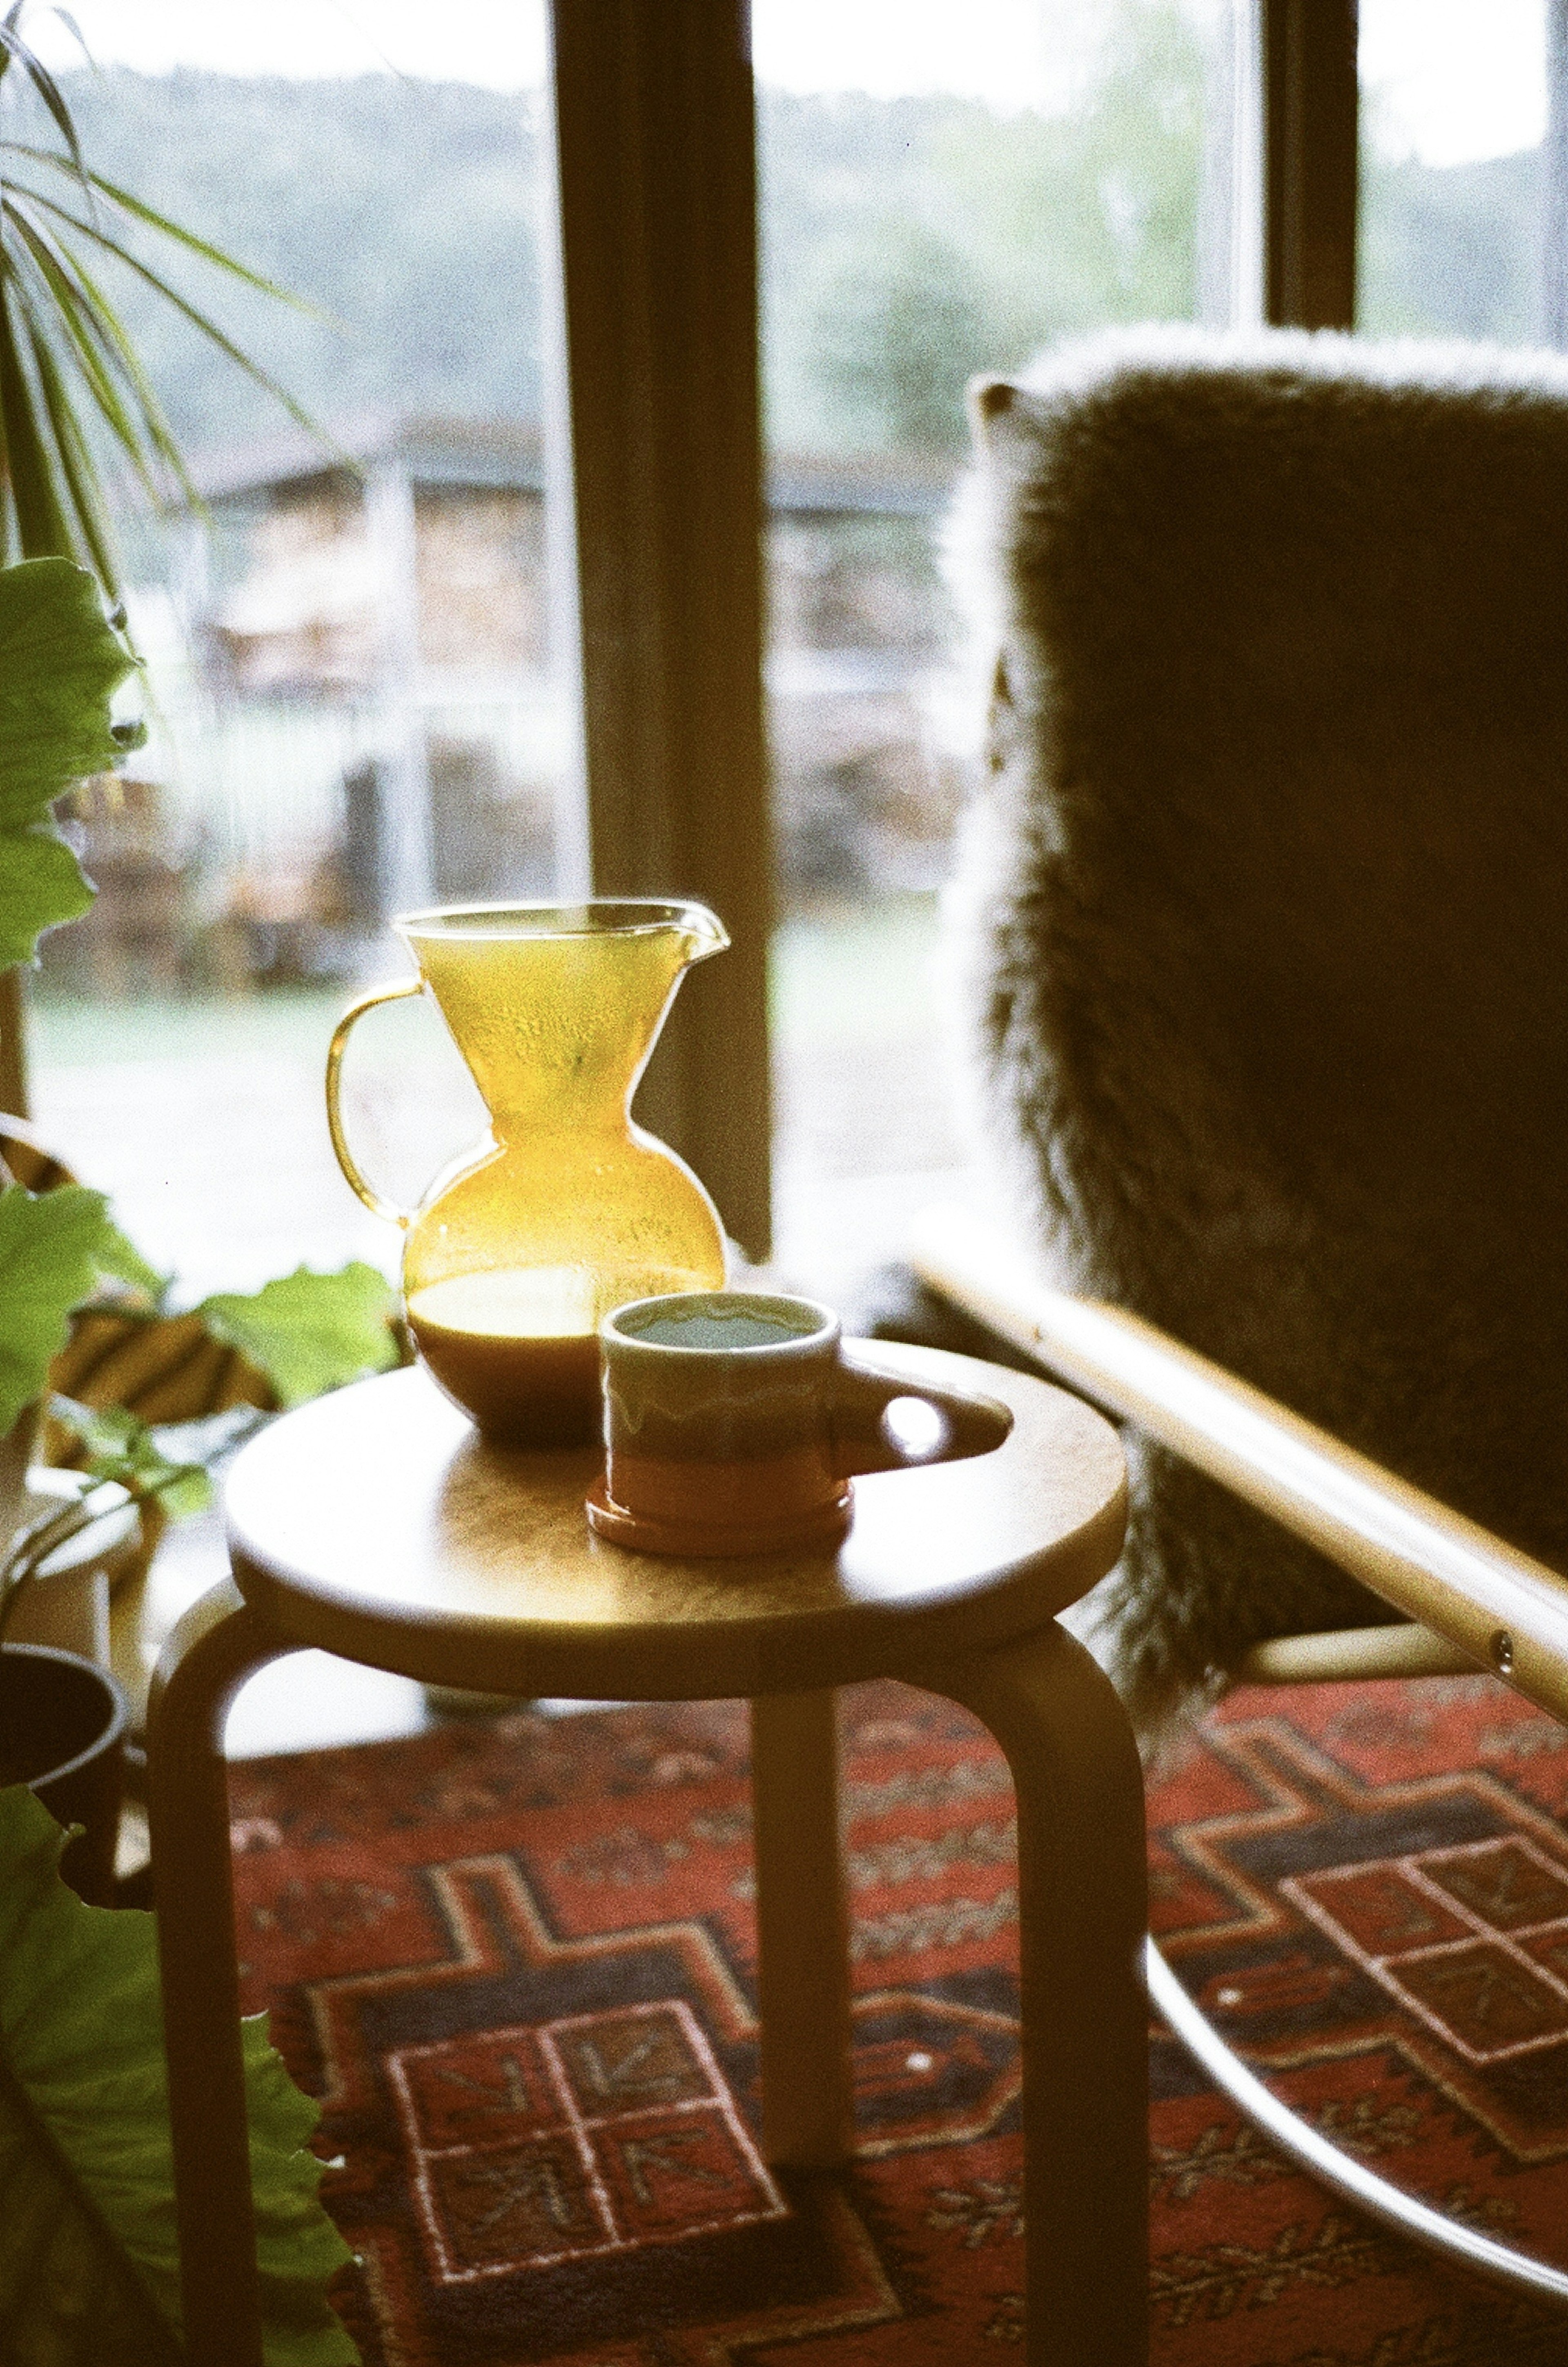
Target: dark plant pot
<point x="62" y="1723"/>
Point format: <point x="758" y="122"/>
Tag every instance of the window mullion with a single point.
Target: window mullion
<point x="657" y="164"/>
<point x="1310" y="117"/>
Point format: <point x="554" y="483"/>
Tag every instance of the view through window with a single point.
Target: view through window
<point x="349" y="660"/>
<point x="1453" y="114"/>
<point x="356" y="700"/>
<point x="943" y="190"/>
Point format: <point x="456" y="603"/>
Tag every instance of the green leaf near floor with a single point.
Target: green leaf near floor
<point x="88" y="2258"/>
<point x="310" y="1333"/>
<point x="148" y="1461"/>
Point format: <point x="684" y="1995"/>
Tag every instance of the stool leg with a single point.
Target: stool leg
<point x="803" y="1931"/>
<point x="215" y="1648"/>
<point x="1082" y="1919"/>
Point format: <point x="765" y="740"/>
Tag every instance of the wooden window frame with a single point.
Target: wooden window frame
<point x="1311" y="162"/>
<point x="656" y="159"/>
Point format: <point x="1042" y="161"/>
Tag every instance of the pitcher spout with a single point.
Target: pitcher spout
<point x="706" y="935"/>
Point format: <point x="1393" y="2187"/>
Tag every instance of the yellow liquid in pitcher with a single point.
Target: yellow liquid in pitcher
<point x="520" y="1252"/>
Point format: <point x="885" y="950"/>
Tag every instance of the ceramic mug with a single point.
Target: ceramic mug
<point x="735" y="1419"/>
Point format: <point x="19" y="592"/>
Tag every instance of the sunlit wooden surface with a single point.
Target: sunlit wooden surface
<point x="377" y="1524"/>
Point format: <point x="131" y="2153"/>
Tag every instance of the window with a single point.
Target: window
<point x="360" y="675"/>
<point x="353" y="686"/>
<point x="942" y="191"/>
<point x="1454" y="170"/>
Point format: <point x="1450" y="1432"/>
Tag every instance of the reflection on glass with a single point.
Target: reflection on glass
<point x="944" y="191"/>
<point x="349" y="656"/>
<point x="1453" y="172"/>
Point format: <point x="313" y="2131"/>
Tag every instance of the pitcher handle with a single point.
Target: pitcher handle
<point x="375" y="1201"/>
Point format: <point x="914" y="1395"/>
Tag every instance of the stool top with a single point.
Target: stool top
<point x="376" y="1524"/>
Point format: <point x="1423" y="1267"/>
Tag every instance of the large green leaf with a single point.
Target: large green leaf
<point x="89" y="2273"/>
<point x="310" y="1331"/>
<point x="60" y="662"/>
<point x="53" y="1248"/>
<point x="41" y="883"/>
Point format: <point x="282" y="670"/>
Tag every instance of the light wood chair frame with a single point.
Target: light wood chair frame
<point x="1468" y="1602"/>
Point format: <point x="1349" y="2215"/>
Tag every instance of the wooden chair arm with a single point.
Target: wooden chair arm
<point x="1501" y="1609"/>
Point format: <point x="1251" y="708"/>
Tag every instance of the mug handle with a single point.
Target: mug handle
<point x="861" y="1394"/>
<point x="375" y="1201"/>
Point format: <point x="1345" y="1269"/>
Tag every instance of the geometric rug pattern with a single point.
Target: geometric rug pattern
<point x="514" y="1957"/>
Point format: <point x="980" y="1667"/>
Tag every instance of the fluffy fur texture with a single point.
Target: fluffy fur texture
<point x="1268" y="900"/>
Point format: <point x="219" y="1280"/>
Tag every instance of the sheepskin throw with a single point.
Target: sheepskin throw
<point x="1267" y="896"/>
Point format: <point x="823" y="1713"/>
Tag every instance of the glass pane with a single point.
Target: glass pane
<point x="1453" y="115"/>
<point x="944" y="190"/>
<point x="349" y="656"/>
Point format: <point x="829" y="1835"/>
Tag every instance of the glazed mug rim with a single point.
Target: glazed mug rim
<point x="824" y="1333"/>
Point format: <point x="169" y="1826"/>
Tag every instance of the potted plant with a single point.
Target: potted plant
<point x="85" y="2153"/>
<point x="88" y="2264"/>
<point x="61" y="661"/>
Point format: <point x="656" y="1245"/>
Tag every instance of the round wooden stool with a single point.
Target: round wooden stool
<point x="375" y="1523"/>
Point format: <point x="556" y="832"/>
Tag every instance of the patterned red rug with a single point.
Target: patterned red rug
<point x="515" y="1960"/>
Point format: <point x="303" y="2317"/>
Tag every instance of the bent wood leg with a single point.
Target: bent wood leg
<point x="803" y="1931"/>
<point x="217" y="1644"/>
<point x="1082" y="1921"/>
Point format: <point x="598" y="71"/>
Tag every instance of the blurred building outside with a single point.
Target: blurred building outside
<point x="353" y="712"/>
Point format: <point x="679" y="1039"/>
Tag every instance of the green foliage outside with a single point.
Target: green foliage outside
<point x="906" y="242"/>
<point x="405" y="212"/>
<point x="1453" y="251"/>
<point x="89" y="2269"/>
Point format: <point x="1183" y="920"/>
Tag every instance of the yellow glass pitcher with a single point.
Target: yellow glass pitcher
<point x="566" y="1209"/>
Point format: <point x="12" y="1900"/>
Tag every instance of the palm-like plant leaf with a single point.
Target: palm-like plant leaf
<point x="12" y="45"/>
<point x="72" y="390"/>
<point x="165" y="227"/>
<point x="171" y="295"/>
<point x="79" y="304"/>
<point x="43" y="529"/>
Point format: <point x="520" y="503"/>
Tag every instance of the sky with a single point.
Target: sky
<point x="1446" y="80"/>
